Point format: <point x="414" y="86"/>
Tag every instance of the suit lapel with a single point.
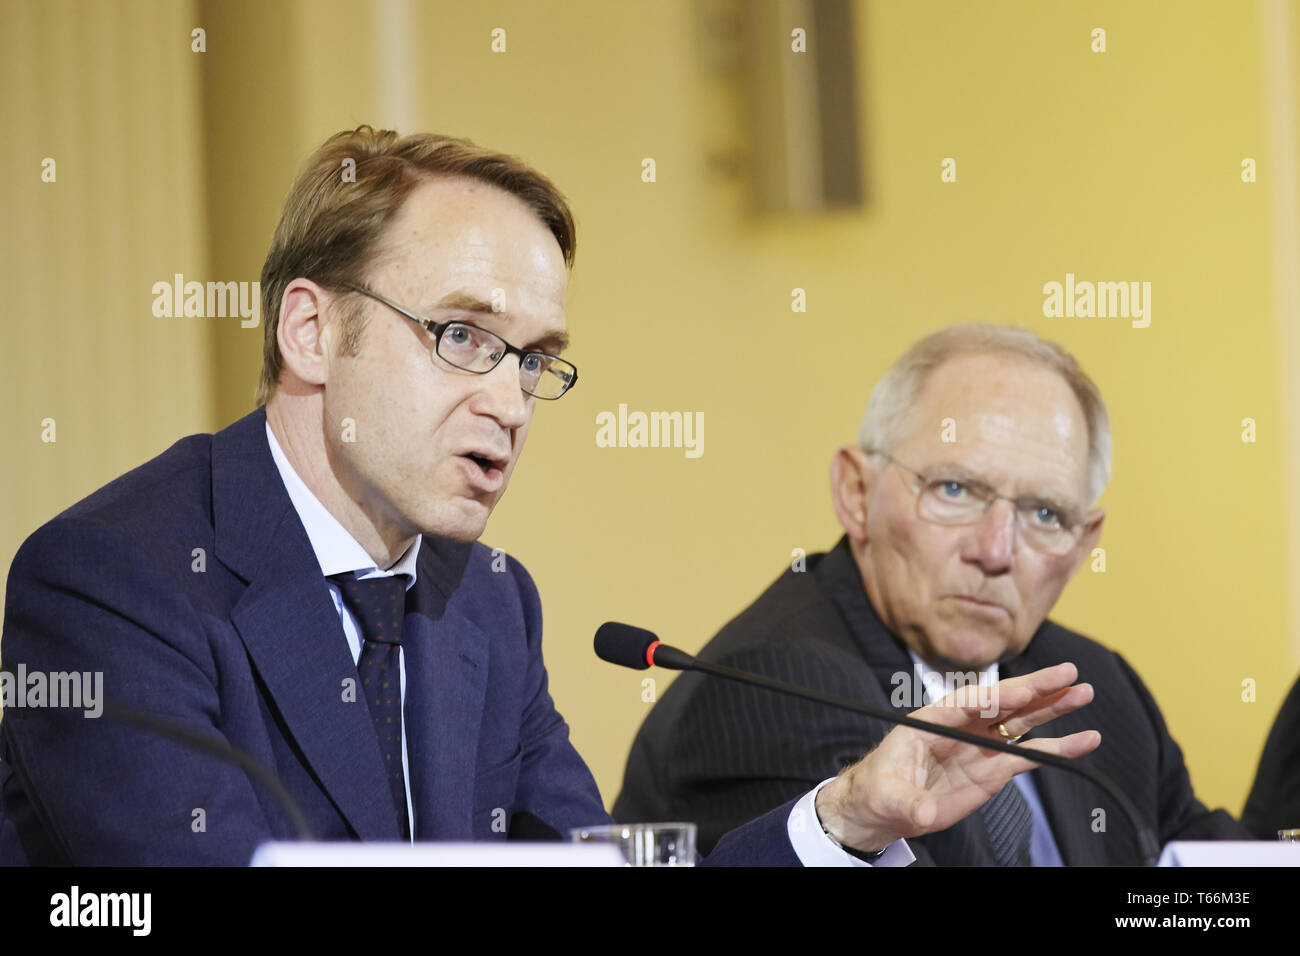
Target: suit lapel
<point x="291" y="629"/>
<point x="840" y="579"/>
<point x="446" y="684"/>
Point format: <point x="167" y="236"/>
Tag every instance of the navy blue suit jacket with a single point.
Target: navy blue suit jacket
<point x="191" y="584"/>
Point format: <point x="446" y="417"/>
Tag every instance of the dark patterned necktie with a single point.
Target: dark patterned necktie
<point x="1006" y="815"/>
<point x="1010" y="824"/>
<point x="379" y="605"/>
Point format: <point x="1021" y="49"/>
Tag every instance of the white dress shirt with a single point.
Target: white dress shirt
<point x="815" y="848"/>
<point x="338" y="553"/>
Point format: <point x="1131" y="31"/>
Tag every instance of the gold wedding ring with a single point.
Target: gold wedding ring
<point x="1002" y="729"/>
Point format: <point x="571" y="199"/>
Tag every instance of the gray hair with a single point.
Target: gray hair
<point x="891" y="401"/>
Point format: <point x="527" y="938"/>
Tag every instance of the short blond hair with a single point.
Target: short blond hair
<point x="888" y="410"/>
<point x="337" y="211"/>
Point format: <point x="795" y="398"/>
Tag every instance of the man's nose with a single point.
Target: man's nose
<point x="501" y="396"/>
<point x="995" y="537"/>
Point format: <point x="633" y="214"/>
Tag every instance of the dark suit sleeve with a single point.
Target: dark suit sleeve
<point x="1181" y="815"/>
<point x="555" y="787"/>
<point x="88" y="790"/>
<point x="1274" y="802"/>
<point x="764" y="841"/>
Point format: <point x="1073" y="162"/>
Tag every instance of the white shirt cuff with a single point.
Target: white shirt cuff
<point x="815" y="848"/>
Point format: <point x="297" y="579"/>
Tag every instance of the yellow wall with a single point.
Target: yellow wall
<point x="109" y="92"/>
<point x="1118" y="166"/>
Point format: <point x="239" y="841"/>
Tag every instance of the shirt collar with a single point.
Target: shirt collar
<point x="937" y="685"/>
<point x="336" y="550"/>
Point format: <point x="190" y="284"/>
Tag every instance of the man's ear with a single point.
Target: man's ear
<point x="1088" y="540"/>
<point x="852" y="478"/>
<point x="304" y="341"/>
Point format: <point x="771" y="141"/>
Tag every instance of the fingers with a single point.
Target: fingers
<point x="971" y="703"/>
<point x="1048" y="679"/>
<point x="997" y="769"/>
<point x="1047" y="708"/>
<point x="1028" y="701"/>
<point x="1018" y="693"/>
<point x="1073" y="745"/>
<point x="1005" y="697"/>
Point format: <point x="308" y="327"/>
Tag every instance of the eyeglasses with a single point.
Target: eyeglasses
<point x="473" y="349"/>
<point x="961" y="500"/>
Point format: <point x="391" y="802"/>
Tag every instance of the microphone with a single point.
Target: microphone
<point x="637" y="648"/>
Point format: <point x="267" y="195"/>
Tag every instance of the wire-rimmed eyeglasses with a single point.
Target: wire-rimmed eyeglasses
<point x="952" y="499"/>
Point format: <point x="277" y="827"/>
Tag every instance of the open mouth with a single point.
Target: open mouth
<point x="483" y="463"/>
<point x="485" y="468"/>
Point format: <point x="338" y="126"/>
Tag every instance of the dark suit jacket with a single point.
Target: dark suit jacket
<point x="1274" y="801"/>
<point x="191" y="584"/>
<point x="717" y="752"/>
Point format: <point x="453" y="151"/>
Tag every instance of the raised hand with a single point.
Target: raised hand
<point x="915" y="782"/>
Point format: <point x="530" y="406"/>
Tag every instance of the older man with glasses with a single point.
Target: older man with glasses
<point x="968" y="503"/>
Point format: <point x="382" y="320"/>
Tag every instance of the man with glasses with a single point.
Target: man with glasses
<point x="305" y="586"/>
<point x="968" y="503"/>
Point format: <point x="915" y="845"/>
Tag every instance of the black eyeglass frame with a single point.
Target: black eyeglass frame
<point x="438" y="328"/>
